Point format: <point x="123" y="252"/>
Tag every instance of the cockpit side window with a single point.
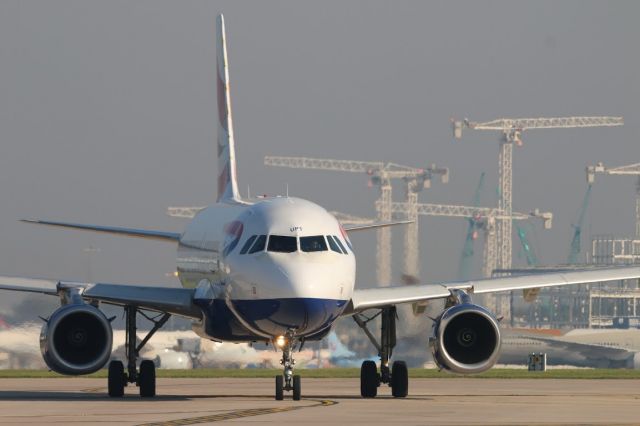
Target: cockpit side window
<point x="333" y="245"/>
<point x="245" y="247"/>
<point x="282" y="244"/>
<point x="259" y="244"/>
<point x="315" y="243"/>
<point x="344" y="250"/>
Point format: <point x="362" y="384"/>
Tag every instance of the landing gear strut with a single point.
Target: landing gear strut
<point x="396" y="377"/>
<point x="287" y="381"/>
<point x="145" y="378"/>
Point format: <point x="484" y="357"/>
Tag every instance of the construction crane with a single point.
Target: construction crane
<point x="486" y="215"/>
<point x="630" y="170"/>
<point x="472" y="234"/>
<point x="576" y="241"/>
<point x="485" y="218"/>
<point x="380" y="175"/>
<point x="511" y="130"/>
<point x="527" y="248"/>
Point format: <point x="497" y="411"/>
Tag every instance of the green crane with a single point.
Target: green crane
<point x="529" y="252"/>
<point x="576" y="241"/>
<point x="466" y="257"/>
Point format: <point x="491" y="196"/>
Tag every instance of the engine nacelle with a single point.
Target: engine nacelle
<point x="77" y="339"/>
<point x="466" y="339"/>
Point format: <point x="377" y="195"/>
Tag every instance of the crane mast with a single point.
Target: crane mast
<point x="464" y="265"/>
<point x="511" y="133"/>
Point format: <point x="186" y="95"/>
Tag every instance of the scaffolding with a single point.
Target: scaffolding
<point x="607" y="250"/>
<point x="614" y="308"/>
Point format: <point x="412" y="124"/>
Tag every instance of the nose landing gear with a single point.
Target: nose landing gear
<point x="287" y="381"/>
<point x="396" y="377"/>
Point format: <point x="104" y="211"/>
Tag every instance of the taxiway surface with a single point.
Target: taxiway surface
<point x="325" y="401"/>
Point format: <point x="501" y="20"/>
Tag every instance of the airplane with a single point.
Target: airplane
<point x="280" y="271"/>
<point x="593" y="348"/>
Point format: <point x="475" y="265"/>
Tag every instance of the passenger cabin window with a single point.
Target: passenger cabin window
<point x="344" y="250"/>
<point x="245" y="247"/>
<point x="259" y="244"/>
<point x="282" y="244"/>
<point x="333" y="245"/>
<point x="315" y="243"/>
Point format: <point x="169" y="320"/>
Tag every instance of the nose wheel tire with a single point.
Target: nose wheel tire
<point x="117" y="379"/>
<point x="399" y="379"/>
<point x="147" y="378"/>
<point x="279" y="388"/>
<point x="297" y="385"/>
<point x="369" y="379"/>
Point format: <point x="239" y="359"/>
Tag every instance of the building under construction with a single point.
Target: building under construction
<point x="601" y="305"/>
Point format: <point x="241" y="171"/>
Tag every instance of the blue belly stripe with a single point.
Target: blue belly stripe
<point x="270" y="316"/>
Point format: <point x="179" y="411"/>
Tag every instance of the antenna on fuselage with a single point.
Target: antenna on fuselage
<point x="287" y="193"/>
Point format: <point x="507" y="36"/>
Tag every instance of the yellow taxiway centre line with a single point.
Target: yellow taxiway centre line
<point x="238" y="414"/>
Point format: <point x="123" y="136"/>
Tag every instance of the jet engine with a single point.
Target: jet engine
<point x="76" y="339"/>
<point x="465" y="338"/>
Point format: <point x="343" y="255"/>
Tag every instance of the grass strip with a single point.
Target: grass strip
<point x="352" y="373"/>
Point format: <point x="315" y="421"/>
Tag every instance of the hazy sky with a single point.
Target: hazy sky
<point x="108" y="116"/>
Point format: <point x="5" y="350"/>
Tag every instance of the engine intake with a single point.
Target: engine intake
<point x="77" y="339"/>
<point x="466" y="339"/>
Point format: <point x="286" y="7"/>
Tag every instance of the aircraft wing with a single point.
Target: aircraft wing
<point x="178" y="301"/>
<point x="129" y="232"/>
<point x="380" y="297"/>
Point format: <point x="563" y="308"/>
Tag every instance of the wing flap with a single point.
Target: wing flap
<point x="164" y="299"/>
<point x="129" y="232"/>
<point x="31" y="285"/>
<point x="378" y="297"/>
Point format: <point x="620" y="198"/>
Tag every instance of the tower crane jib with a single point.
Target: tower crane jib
<point x="511" y="129"/>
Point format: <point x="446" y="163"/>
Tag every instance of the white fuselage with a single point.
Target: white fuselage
<point x="281" y="265"/>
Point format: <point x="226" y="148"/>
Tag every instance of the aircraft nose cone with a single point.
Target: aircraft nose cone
<point x="299" y="297"/>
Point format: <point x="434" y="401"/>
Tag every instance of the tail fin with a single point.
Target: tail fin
<point x="227" y="181"/>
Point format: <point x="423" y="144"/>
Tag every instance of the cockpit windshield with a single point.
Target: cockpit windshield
<point x="282" y="244"/>
<point x="287" y="244"/>
<point x="259" y="244"/>
<point x="314" y="243"/>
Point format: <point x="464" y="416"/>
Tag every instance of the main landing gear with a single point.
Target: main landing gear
<point x="398" y="376"/>
<point x="287" y="381"/>
<point x="145" y="378"/>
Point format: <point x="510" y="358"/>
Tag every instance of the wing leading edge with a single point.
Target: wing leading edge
<point x="379" y="297"/>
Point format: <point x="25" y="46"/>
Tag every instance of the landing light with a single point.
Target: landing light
<point x="281" y="341"/>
